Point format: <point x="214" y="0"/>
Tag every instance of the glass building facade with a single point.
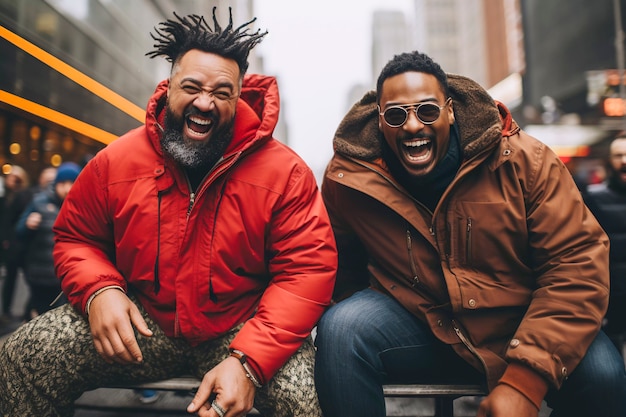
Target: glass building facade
<point x="74" y="75"/>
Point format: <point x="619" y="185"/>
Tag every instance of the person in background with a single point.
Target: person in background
<point x="34" y="230"/>
<point x="607" y="201"/>
<point x="12" y="203"/>
<point x="46" y="177"/>
<point x="196" y="244"/>
<point x="466" y="254"/>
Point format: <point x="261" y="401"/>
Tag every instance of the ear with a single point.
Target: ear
<point x="450" y="111"/>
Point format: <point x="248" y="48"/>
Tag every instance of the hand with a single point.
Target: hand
<point x="505" y="401"/>
<point x="33" y="220"/>
<point x="111" y="317"/>
<point x="235" y="392"/>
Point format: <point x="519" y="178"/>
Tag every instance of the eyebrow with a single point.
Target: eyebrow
<point x="226" y="84"/>
<point x="433" y="100"/>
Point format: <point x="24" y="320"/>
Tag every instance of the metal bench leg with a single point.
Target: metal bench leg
<point x="444" y="407"/>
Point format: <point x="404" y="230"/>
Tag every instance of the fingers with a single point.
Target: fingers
<point x="224" y="388"/>
<point x="119" y="345"/>
<point x="221" y="411"/>
<point x="201" y="398"/>
<point x="111" y="320"/>
<point x="139" y="323"/>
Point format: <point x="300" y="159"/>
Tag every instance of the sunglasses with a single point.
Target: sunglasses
<point x="427" y="113"/>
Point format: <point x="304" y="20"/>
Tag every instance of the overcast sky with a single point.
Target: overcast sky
<point x="318" y="50"/>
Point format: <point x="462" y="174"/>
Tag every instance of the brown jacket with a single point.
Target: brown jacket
<point x="510" y="268"/>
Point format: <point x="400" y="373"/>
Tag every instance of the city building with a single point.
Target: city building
<point x="74" y="75"/>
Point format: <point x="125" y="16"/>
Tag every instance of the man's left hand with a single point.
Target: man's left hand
<point x="234" y="391"/>
<point x="505" y="401"/>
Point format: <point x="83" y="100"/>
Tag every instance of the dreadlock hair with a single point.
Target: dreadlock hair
<point x="175" y="38"/>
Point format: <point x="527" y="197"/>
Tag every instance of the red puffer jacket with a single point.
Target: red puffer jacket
<point x="254" y="241"/>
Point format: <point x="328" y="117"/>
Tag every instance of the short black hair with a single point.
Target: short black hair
<point x="412" y="61"/>
<point x="175" y="38"/>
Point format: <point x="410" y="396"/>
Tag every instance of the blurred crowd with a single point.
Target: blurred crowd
<point x="27" y="212"/>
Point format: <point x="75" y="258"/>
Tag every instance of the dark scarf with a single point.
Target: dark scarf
<point x="430" y="187"/>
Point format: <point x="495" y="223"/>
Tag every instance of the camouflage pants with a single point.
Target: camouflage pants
<point x="50" y="361"/>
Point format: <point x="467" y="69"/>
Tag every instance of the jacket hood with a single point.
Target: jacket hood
<point x="481" y="121"/>
<point x="256" y="118"/>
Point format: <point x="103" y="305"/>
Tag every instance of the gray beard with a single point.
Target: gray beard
<point x="195" y="156"/>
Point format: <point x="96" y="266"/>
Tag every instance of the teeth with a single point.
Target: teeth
<point x="198" y="121"/>
<point x="418" y="158"/>
<point x="417" y="143"/>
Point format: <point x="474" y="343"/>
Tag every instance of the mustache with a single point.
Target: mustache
<point x="422" y="135"/>
<point x="195" y="112"/>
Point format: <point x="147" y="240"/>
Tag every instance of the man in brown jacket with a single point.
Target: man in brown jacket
<point x="465" y="254"/>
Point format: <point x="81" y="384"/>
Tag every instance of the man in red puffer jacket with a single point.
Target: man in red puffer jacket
<point x="195" y="244"/>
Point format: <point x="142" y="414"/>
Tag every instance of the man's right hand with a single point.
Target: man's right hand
<point x="112" y="316"/>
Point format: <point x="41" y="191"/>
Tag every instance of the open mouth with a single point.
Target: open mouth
<point x="417" y="150"/>
<point x="198" y="126"/>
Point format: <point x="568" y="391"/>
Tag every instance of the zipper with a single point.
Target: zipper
<point x="220" y="166"/>
<point x="192" y="199"/>
<point x="468" y="240"/>
<point x="411" y="260"/>
<point x="467" y="344"/>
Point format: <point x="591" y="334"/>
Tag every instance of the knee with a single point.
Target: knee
<point x="339" y="323"/>
<point x="602" y="367"/>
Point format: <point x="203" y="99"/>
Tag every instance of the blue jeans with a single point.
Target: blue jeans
<point x="369" y="340"/>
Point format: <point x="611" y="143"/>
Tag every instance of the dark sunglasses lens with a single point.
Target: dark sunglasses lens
<point x="395" y="116"/>
<point x="428" y="113"/>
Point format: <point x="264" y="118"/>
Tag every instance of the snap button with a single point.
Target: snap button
<point x="506" y="152"/>
<point x="564" y="371"/>
<point x="340" y="175"/>
<point x="472" y="303"/>
<point x="439" y="323"/>
<point x="514" y="343"/>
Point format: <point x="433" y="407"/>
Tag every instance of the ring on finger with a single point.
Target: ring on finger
<point x="218" y="409"/>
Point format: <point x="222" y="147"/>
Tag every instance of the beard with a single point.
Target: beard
<point x="197" y="156"/>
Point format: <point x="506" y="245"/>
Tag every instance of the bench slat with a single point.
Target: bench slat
<point x="392" y="390"/>
<point x="429" y="390"/>
<point x="172" y="384"/>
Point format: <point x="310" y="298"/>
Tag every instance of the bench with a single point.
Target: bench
<point x="443" y="394"/>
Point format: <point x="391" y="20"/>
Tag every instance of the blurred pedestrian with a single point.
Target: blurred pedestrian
<point x="607" y="201"/>
<point x="466" y="254"/>
<point x="34" y="231"/>
<point x="46" y="177"/>
<point x="196" y="244"/>
<point x="12" y="204"/>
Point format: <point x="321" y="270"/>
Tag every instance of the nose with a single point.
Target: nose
<point x="413" y="123"/>
<point x="205" y="101"/>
